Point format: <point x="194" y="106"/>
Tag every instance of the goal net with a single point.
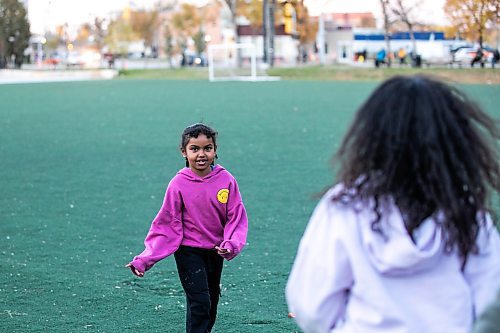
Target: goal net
<point x="235" y="62"/>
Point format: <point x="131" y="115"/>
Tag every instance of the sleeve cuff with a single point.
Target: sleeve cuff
<point x="139" y="265"/>
<point x="228" y="245"/>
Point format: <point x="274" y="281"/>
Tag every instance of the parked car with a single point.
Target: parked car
<point x="489" y="53"/>
<point x="85" y="58"/>
<point x="53" y="59"/>
<point x="74" y="59"/>
<point x="465" y="54"/>
<point x="200" y="60"/>
<point x="190" y="58"/>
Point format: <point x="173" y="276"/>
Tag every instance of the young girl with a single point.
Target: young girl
<point x="405" y="242"/>
<point x="202" y="220"/>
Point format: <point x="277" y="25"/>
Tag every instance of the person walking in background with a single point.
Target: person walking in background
<point x="478" y="57"/>
<point x="380" y="58"/>
<point x="495" y="58"/>
<point x="405" y="241"/>
<point x="402" y="56"/>
<point x="202" y="220"/>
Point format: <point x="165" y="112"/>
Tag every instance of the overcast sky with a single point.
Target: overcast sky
<point x="45" y="14"/>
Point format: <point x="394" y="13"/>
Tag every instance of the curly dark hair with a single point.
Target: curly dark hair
<point x="430" y="149"/>
<point x="193" y="131"/>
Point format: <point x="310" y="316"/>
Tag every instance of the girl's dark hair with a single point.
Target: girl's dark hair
<point x="425" y="145"/>
<point x="193" y="131"/>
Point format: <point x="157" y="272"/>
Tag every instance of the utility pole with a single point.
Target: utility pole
<point x="321" y="38"/>
<point x="497" y="26"/>
<point x="272" y="32"/>
<point x="265" y="29"/>
<point x="268" y="30"/>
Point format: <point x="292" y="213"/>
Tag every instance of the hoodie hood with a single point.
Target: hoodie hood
<point x="393" y="252"/>
<point x="188" y="174"/>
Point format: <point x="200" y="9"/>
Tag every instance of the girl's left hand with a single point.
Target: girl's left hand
<point x="222" y="251"/>
<point x="135" y="270"/>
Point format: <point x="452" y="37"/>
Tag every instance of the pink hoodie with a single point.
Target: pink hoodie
<point x="201" y="212"/>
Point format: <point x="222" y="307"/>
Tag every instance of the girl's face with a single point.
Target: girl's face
<point x="200" y="153"/>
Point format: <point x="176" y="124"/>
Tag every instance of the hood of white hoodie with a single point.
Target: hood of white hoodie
<point x="394" y="253"/>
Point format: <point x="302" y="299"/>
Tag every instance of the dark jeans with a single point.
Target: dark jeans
<point x="200" y="274"/>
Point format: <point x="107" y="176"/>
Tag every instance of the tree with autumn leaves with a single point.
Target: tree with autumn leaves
<point x="14" y="32"/>
<point x="132" y="25"/>
<point x="473" y="18"/>
<point x="187" y="23"/>
<point x="305" y="28"/>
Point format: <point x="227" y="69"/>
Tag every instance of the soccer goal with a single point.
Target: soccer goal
<point x="235" y="62"/>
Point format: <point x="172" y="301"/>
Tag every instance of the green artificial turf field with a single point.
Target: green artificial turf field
<point x="83" y="171"/>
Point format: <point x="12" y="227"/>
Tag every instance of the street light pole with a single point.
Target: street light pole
<point x="272" y="32"/>
<point x="268" y="30"/>
<point x="265" y="31"/>
<point x="321" y="38"/>
<point x="10" y="51"/>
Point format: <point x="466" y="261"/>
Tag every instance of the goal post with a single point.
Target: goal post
<point x="235" y="62"/>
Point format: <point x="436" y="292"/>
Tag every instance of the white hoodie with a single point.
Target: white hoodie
<point x="348" y="278"/>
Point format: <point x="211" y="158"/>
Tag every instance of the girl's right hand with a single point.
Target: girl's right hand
<point x="222" y="251"/>
<point x="134" y="270"/>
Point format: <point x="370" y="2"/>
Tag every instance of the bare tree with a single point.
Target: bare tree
<point x="384" y="4"/>
<point x="169" y="45"/>
<point x="99" y="31"/>
<point x="232" y="6"/>
<point x="405" y="12"/>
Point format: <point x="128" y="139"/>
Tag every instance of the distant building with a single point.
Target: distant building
<point x="349" y="20"/>
<point x="344" y="45"/>
<point x="347" y="35"/>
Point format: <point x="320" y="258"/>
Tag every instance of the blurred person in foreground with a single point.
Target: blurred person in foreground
<point x="405" y="242"/>
<point x="489" y="322"/>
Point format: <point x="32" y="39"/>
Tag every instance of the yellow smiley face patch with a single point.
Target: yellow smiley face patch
<point x="222" y="195"/>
